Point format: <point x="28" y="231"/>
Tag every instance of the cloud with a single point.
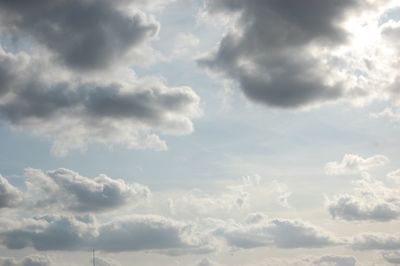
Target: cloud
<point x="376" y="241"/>
<point x="68" y="76"/>
<point x="371" y="200"/>
<point x="126" y="112"/>
<point x="389" y="113"/>
<point x="99" y="33"/>
<point x="66" y="189"/>
<point x="206" y="262"/>
<point x="33" y="260"/>
<point x="10" y="196"/>
<point x="277" y="51"/>
<point x="390" y="33"/>
<point x="326" y="260"/>
<point x="51" y="232"/>
<point x="128" y="233"/>
<point x="251" y="192"/>
<point x="394" y="175"/>
<point x="259" y="231"/>
<point x="392" y="257"/>
<point x="353" y="163"/>
<point x="330" y="260"/>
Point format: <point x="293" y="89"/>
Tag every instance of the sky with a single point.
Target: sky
<point x="200" y="132"/>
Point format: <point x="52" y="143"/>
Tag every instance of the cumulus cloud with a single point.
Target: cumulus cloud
<point x="278" y="53"/>
<point x="353" y="163"/>
<point x="99" y="33"/>
<point x="66" y="189"/>
<point x="34" y="260"/>
<point x="10" y="196"/>
<point x="259" y="231"/>
<point x="80" y="89"/>
<point x="128" y="233"/>
<point x="378" y="241"/>
<point x="390" y="33"/>
<point x="371" y="199"/>
<point x="392" y="257"/>
<point x="281" y="56"/>
<point x="125" y="112"/>
<point x="394" y="175"/>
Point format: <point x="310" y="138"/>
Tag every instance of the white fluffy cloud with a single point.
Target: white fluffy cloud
<point x="353" y="163"/>
<point x="378" y="241"/>
<point x="10" y="196"/>
<point x="371" y="199"/>
<point x="258" y="231"/>
<point x="66" y="189"/>
<point x="34" y="260"/>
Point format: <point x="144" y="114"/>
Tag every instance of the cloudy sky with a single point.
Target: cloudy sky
<point x="200" y="132"/>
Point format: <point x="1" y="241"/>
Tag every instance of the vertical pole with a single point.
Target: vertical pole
<point x="94" y="259"/>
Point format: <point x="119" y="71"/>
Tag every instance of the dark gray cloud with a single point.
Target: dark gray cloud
<point x="130" y="233"/>
<point x="33" y="260"/>
<point x="272" y="49"/>
<point x="145" y="233"/>
<point x="70" y="78"/>
<point x="281" y="233"/>
<point x="66" y="189"/>
<point x="51" y="233"/>
<point x="83" y="35"/>
<point x="120" y="112"/>
<point x="10" y="196"/>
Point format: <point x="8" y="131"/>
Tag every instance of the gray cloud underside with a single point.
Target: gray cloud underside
<point x="98" y="111"/>
<point x="83" y="35"/>
<point x="268" y="52"/>
<point x="60" y="80"/>
<point x="67" y="190"/>
<point x="131" y="233"/>
<point x="354" y="208"/>
<point x="371" y="200"/>
<point x="275" y="232"/>
<point x="392" y="257"/>
<point x="376" y="241"/>
<point x="35" y="98"/>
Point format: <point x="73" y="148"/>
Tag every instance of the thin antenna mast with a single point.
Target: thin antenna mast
<point x="94" y="259"/>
